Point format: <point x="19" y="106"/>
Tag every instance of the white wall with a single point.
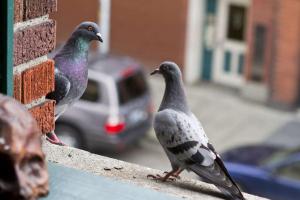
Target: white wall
<point x="193" y="48"/>
<point x="104" y="21"/>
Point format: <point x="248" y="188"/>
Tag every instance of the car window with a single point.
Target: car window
<point x="92" y="92"/>
<point x="279" y="156"/>
<point x="131" y="87"/>
<point x="291" y="171"/>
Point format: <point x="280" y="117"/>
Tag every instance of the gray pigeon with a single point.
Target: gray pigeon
<point x="71" y="72"/>
<point x="183" y="138"/>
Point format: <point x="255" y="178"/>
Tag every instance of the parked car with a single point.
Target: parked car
<point x="263" y="170"/>
<point x="114" y="112"/>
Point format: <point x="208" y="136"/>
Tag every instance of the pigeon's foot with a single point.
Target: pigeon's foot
<point x="52" y="138"/>
<point x="170" y="176"/>
<point x="176" y="174"/>
<point x="161" y="178"/>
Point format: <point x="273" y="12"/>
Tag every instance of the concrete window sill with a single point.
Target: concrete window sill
<point x="129" y="176"/>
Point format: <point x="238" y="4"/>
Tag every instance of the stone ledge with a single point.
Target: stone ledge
<point x="126" y="172"/>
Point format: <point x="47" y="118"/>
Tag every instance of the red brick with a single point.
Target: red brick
<point x="282" y="48"/>
<point x="17" y="87"/>
<point x="37" y="81"/>
<point x="286" y="68"/>
<point x="75" y="15"/>
<point x="44" y="115"/>
<point x="37" y="8"/>
<point x="261" y="12"/>
<point x="34" y="41"/>
<point x="29" y="9"/>
<point x="151" y="31"/>
<point x="18" y="10"/>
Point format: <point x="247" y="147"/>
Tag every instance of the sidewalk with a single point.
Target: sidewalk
<point x="228" y="119"/>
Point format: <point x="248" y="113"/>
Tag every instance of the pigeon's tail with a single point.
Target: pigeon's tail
<point x="218" y="175"/>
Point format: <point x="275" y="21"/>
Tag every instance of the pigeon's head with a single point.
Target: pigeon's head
<point x="89" y="31"/>
<point x="169" y="70"/>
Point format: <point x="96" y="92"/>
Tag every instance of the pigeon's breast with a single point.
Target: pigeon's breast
<point x="78" y="84"/>
<point x="77" y="73"/>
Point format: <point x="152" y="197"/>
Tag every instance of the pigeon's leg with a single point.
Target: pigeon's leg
<point x="52" y="138"/>
<point x="174" y="173"/>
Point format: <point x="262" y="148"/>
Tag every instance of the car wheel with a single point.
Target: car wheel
<point x="69" y="135"/>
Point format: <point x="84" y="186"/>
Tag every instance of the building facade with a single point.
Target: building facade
<point x="251" y="45"/>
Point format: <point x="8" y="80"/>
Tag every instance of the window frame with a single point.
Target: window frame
<point x="278" y="170"/>
<point x="99" y="92"/>
<point x="227" y="33"/>
<point x="6" y="46"/>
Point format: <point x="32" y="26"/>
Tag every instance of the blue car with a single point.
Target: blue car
<point x="267" y="171"/>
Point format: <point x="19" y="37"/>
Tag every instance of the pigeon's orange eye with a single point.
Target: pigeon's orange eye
<point x="90" y="28"/>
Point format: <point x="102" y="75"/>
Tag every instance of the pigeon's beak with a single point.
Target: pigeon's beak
<point x="156" y="71"/>
<point x="99" y="37"/>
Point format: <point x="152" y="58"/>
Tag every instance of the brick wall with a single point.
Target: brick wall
<point x="261" y="12"/>
<point x="281" y="67"/>
<point x="79" y="11"/>
<point x="34" y="38"/>
<point x="151" y="31"/>
<point x="285" y="86"/>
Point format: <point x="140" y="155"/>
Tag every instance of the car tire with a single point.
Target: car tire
<point x="69" y="135"/>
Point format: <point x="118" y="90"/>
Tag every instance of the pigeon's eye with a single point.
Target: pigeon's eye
<point x="165" y="68"/>
<point x="90" y="28"/>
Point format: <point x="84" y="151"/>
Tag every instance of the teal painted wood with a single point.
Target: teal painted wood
<point x="227" y="61"/>
<point x="71" y="184"/>
<point x="207" y="54"/>
<point x="6" y="46"/>
<point x="241" y="64"/>
<point x="211" y="6"/>
<point x="207" y="64"/>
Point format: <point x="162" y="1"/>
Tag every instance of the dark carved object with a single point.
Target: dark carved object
<point x="23" y="171"/>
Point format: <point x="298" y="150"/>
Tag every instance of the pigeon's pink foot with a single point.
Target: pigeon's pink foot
<point x="176" y="174"/>
<point x="52" y="138"/>
<point x="170" y="176"/>
<point x="161" y="178"/>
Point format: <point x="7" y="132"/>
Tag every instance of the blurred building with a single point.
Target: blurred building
<point x="70" y="13"/>
<point x="252" y="45"/>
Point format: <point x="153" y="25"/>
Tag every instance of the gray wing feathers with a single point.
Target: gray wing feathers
<point x="62" y="87"/>
<point x="218" y="175"/>
<point x="179" y="134"/>
<point x="186" y="143"/>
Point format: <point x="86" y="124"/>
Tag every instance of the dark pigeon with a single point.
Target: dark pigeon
<point x="71" y="72"/>
<point x="183" y="138"/>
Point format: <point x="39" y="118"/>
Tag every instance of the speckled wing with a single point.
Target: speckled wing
<point x="62" y="87"/>
<point x="182" y="136"/>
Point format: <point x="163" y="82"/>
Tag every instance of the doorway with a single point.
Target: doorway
<point x="230" y="44"/>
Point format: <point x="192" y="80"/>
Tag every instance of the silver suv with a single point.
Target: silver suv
<point x="115" y="110"/>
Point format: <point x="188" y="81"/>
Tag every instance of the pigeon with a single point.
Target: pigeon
<point x="183" y="138"/>
<point x="71" y="72"/>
